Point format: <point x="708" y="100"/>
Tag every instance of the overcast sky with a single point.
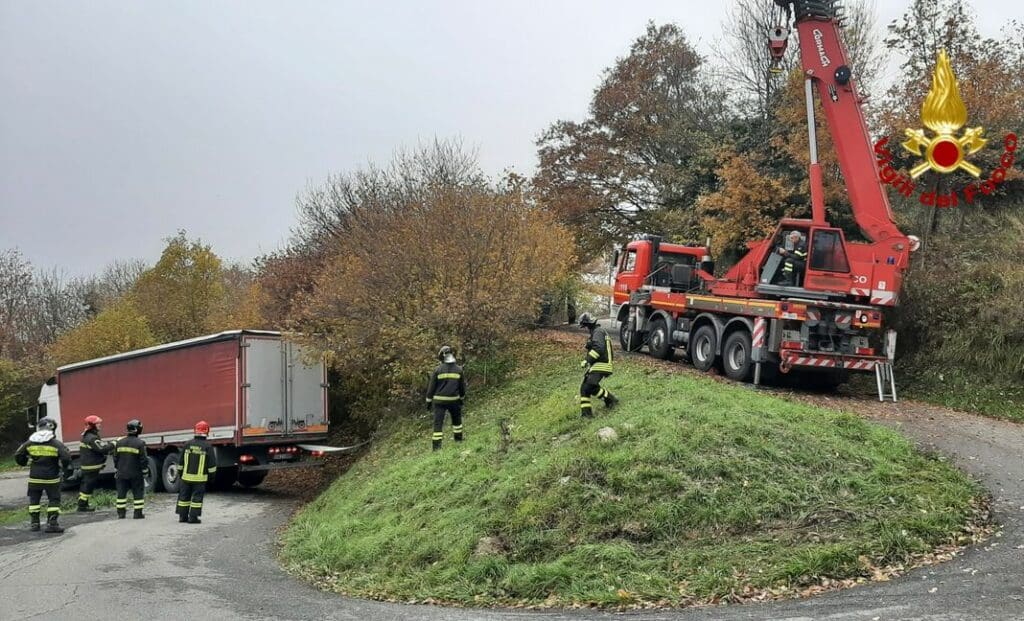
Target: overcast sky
<point x="122" y="122"/>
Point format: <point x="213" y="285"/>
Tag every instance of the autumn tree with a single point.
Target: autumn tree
<point x="242" y="304"/>
<point x="115" y="281"/>
<point x="644" y="153"/>
<point x="118" y="328"/>
<point x="178" y="295"/>
<point x="458" y="263"/>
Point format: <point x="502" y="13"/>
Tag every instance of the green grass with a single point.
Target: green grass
<point x="997" y="397"/>
<point x="101" y="499"/>
<point x="709" y="488"/>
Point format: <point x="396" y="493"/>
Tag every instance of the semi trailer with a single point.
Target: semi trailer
<point x="265" y="398"/>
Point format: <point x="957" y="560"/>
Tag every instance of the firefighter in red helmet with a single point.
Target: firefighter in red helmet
<point x="93" y="453"/>
<point x="198" y="462"/>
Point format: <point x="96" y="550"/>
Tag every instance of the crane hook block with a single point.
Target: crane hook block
<point x="778" y="39"/>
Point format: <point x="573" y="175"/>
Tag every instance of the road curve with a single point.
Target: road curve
<point x="225" y="568"/>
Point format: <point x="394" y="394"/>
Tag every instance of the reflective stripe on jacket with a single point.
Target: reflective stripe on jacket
<point x="447" y="384"/>
<point x="599" y="352"/>
<point x="130" y="458"/>
<point x="93" y="451"/>
<point x="45" y="460"/>
<point x="197" y="461"/>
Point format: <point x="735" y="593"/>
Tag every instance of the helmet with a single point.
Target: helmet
<point x="202" y="428"/>
<point x="587" y="320"/>
<point x="47" y="423"/>
<point x="92" y="420"/>
<point x="446" y="354"/>
<point x="134" y="427"/>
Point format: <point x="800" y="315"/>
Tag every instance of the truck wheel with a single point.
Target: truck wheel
<point x="660" y="342"/>
<point x="170" y="474"/>
<point x="702" y="347"/>
<point x="252" y="478"/>
<point x="153" y="480"/>
<point x="630" y="340"/>
<point x="736" y="356"/>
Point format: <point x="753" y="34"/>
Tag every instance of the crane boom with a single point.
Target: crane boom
<point x="824" y="61"/>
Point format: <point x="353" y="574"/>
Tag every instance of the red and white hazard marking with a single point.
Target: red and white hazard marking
<point x="886" y="298"/>
<point x="760" y="328"/>
<point x="828" y="362"/>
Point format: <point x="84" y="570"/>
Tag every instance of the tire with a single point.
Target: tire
<point x="630" y="340"/>
<point x="170" y="475"/>
<point x="660" y="341"/>
<point x="702" y="347"/>
<point x="153" y="483"/>
<point x="737" y="356"/>
<point x="252" y="478"/>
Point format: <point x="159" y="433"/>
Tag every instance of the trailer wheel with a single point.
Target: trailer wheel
<point x="153" y="480"/>
<point x="702" y="347"/>
<point x="630" y="340"/>
<point x="660" y="342"/>
<point x="251" y="478"/>
<point x="170" y="474"/>
<point x="736" y="356"/>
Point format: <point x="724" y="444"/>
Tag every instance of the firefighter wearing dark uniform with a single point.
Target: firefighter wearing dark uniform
<point x="198" y="462"/>
<point x="93" y="456"/>
<point x="445" y="395"/>
<point x="132" y="464"/>
<point x="598" y="365"/>
<point x="46" y="457"/>
<point x="793" y="260"/>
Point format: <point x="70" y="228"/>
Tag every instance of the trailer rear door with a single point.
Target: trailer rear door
<point x="284" y="393"/>
<point x="307" y="396"/>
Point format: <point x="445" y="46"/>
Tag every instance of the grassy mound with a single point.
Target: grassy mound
<point x="708" y="490"/>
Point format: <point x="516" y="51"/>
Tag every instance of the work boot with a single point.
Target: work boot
<point x="182" y="518"/>
<point x="52" y="526"/>
<point x="194" y="519"/>
<point x="611" y="401"/>
<point x="34" y="527"/>
<point x="83" y="507"/>
<point x="458" y="437"/>
<point x="436" y="445"/>
<point x="138" y="515"/>
<point x="121" y="513"/>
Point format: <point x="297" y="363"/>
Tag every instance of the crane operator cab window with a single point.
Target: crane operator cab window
<point x="788" y="260"/>
<point x="828" y="253"/>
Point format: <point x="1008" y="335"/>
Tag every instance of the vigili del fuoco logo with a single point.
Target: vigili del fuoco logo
<point x="944" y="113"/>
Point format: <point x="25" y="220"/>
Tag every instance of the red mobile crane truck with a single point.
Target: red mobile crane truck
<point x="264" y="400"/>
<point x="830" y="321"/>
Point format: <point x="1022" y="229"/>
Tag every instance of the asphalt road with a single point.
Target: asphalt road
<point x="225" y="568"/>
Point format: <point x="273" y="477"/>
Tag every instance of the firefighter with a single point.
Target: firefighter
<point x="93" y="453"/>
<point x="47" y="457"/>
<point x="598" y="365"/>
<point x="198" y="462"/>
<point x="794" y="260"/>
<point x="132" y="464"/>
<point x="445" y="395"/>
